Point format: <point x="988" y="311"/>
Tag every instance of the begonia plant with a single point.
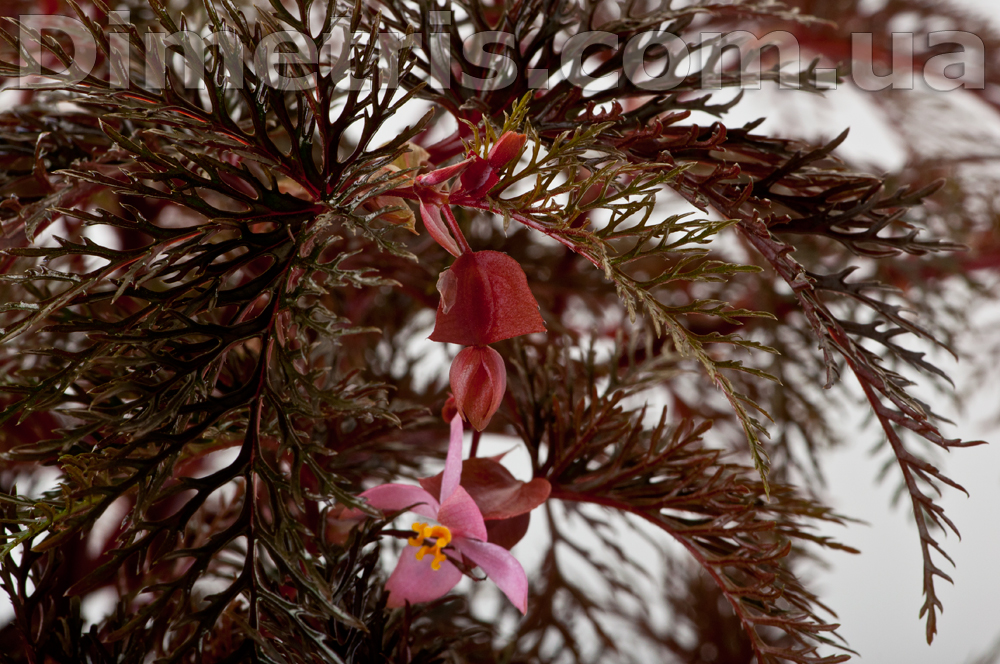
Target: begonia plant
<point x="265" y="269"/>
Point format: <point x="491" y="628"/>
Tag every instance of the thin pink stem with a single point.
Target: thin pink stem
<point x="456" y="230"/>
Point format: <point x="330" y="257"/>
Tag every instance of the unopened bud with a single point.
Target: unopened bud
<point x="478" y="381"/>
<point x="506" y="149"/>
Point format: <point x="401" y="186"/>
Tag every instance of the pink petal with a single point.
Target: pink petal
<point x="453" y="462"/>
<point x="415" y="581"/>
<point x="442" y="174"/>
<point x="461" y="516"/>
<point x="395" y="497"/>
<point x="500" y="566"/>
<point x="431" y="214"/>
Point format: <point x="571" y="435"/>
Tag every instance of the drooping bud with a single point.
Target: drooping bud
<point x="484" y="299"/>
<point x="478" y="381"/>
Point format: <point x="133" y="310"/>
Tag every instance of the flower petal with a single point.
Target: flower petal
<point x="460" y="514"/>
<point x="453" y="462"/>
<point x="415" y="581"/>
<point x="431" y="214"/>
<point x="500" y="566"/>
<point x="395" y="497"/>
<point x="498" y="494"/>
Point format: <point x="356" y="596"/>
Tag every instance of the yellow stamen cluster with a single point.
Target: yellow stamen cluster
<point x="442" y="536"/>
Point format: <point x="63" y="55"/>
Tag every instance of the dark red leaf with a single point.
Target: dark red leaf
<point x="508" y="532"/>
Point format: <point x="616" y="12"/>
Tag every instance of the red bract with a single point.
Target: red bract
<point x="478" y="178"/>
<point x="481" y="175"/>
<point x="478" y="381"/>
<point x="484" y="299"/>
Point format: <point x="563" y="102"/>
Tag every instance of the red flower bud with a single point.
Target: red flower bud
<point x="478" y="381"/>
<point x="506" y="149"/>
<point x="442" y="174"/>
<point x="484" y="299"/>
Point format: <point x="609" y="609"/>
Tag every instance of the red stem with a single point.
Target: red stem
<point x="472" y="203"/>
<point x="475" y="443"/>
<point x="456" y="230"/>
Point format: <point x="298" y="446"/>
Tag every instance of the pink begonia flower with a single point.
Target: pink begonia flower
<point x="505" y="501"/>
<point x="425" y="570"/>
